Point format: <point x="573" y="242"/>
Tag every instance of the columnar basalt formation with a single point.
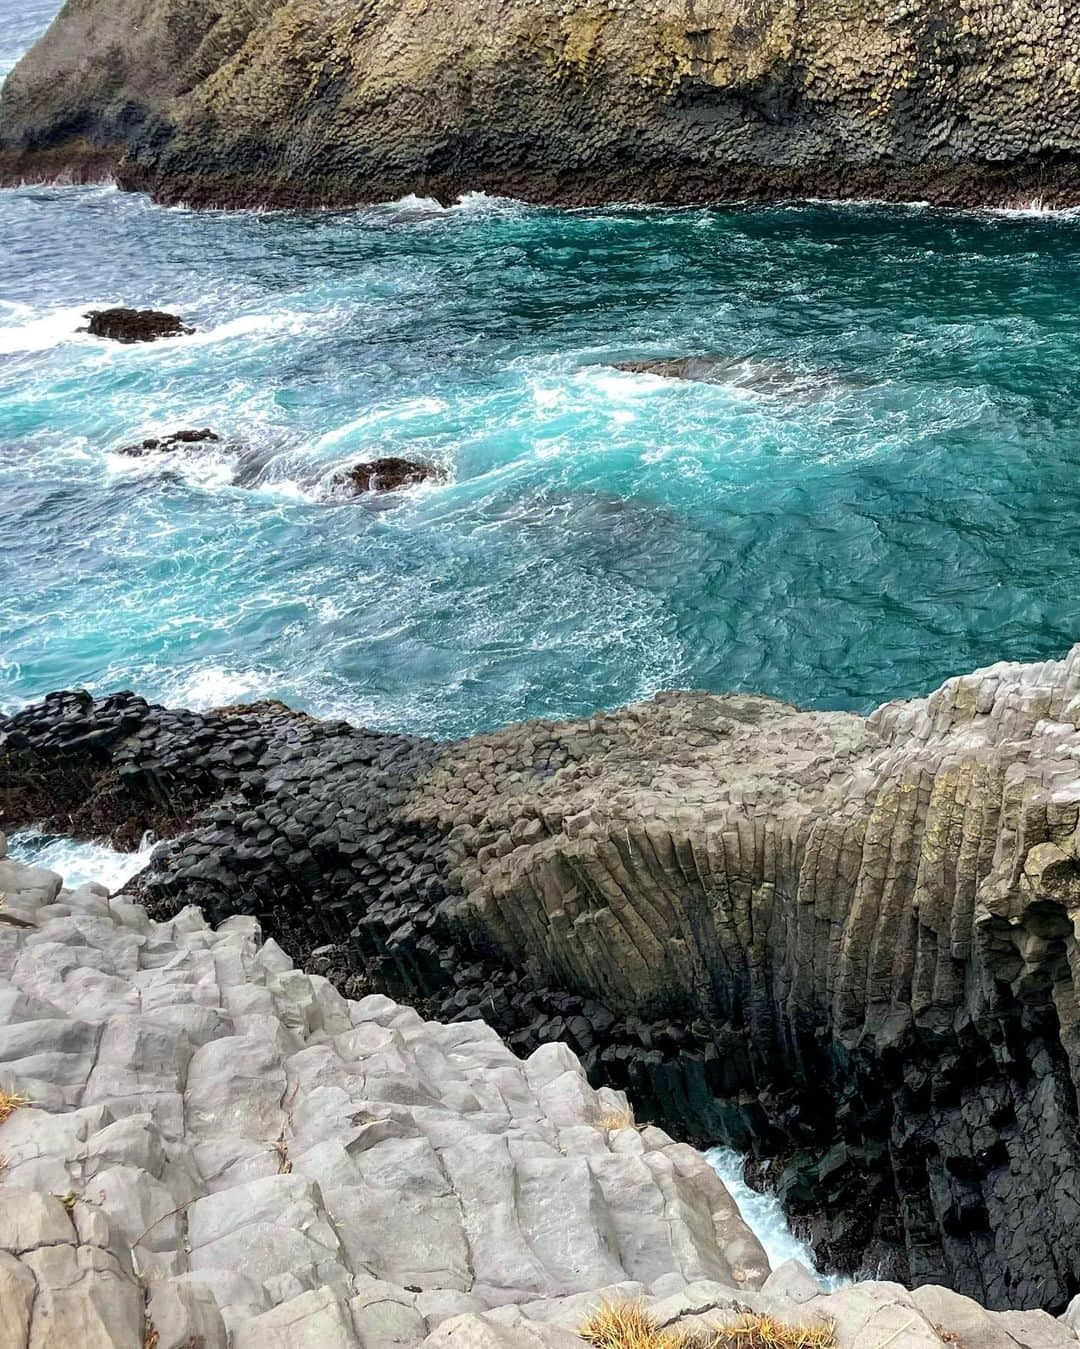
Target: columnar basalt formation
<point x="845" y="944"/>
<point x="305" y="102"/>
<point x="204" y="1146"/>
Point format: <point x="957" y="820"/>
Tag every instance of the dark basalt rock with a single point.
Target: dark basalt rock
<point x="176" y="441"/>
<point x="844" y="944"/>
<point x="384" y="475"/>
<point x="134" y="325"/>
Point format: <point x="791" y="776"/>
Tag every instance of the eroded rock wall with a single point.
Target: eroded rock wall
<point x="306" y="102"/>
<point x="845" y="944"/>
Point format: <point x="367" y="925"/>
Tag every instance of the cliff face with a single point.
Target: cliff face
<point x="204" y="1147"/>
<point x="307" y="101"/>
<point x="847" y="944"/>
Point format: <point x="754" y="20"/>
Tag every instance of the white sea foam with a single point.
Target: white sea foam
<point x="208" y="686"/>
<point x="79" y="862"/>
<point x="483" y="203"/>
<point x="765" y="1216"/>
<point x="23" y="328"/>
<point x="206" y="466"/>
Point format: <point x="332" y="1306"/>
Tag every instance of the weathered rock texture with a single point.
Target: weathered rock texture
<point x="216" y="1144"/>
<point x="845" y="943"/>
<point x="307" y="101"/>
<point x="244" y="1127"/>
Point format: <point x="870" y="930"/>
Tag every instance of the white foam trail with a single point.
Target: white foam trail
<point x="209" y="469"/>
<point x="77" y="862"/>
<point x="765" y="1217"/>
<point x="35" y="331"/>
<point x="211" y="686"/>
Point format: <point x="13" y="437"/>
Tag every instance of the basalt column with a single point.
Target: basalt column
<point x="844" y="944"/>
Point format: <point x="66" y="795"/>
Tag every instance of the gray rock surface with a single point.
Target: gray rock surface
<point x="227" y="1152"/>
<point x="239" y="1140"/>
<point x="292" y="102"/>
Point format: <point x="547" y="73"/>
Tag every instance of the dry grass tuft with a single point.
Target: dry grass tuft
<point x="10" y="1101"/>
<point x="150" y="1335"/>
<point x="3" y="1165"/>
<point x="628" y="1325"/>
<point x="753" y="1331"/>
<point x="613" y="1120"/>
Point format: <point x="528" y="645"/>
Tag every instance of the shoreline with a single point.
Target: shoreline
<point x="660" y="888"/>
<point x="1021" y="187"/>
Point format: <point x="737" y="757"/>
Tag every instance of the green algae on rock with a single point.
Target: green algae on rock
<point x="295" y="102"/>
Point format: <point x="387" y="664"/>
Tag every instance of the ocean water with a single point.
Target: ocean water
<point x="884" y="493"/>
<point x="882" y="490"/>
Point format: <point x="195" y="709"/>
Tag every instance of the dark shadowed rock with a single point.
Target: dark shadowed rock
<point x="134" y="325"/>
<point x="384" y="475"/>
<point x="174" y="442"/>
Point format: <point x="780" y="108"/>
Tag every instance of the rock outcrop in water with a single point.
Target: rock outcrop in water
<point x="388" y="474"/>
<point x="164" y="444"/>
<point x="134" y="325"/>
<point x="200" y="1141"/>
<point x="844" y="943"/>
<point x="224" y="101"/>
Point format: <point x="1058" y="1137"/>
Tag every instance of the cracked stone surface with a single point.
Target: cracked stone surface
<point x="226" y="1149"/>
<point x="236" y="1137"/>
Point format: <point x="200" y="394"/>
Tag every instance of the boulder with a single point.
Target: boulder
<point x="383" y="475"/>
<point x="134" y="325"/>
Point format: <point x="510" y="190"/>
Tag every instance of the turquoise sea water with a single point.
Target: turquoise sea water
<point x="887" y="492"/>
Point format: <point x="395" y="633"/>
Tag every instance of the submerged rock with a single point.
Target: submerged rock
<point x="178" y="440"/>
<point x="742" y="373"/>
<point x="384" y="475"/>
<point x="134" y="325"/>
<point x="201" y="101"/>
<point x="845" y="942"/>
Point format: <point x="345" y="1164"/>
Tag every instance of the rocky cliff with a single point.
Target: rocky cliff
<point x="580" y="101"/>
<point x="845" y="944"/>
<point x="202" y="1145"/>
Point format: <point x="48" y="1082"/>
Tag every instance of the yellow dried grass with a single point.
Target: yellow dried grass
<point x="629" y="1325"/>
<point x="613" y="1120"/>
<point x="10" y="1101"/>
